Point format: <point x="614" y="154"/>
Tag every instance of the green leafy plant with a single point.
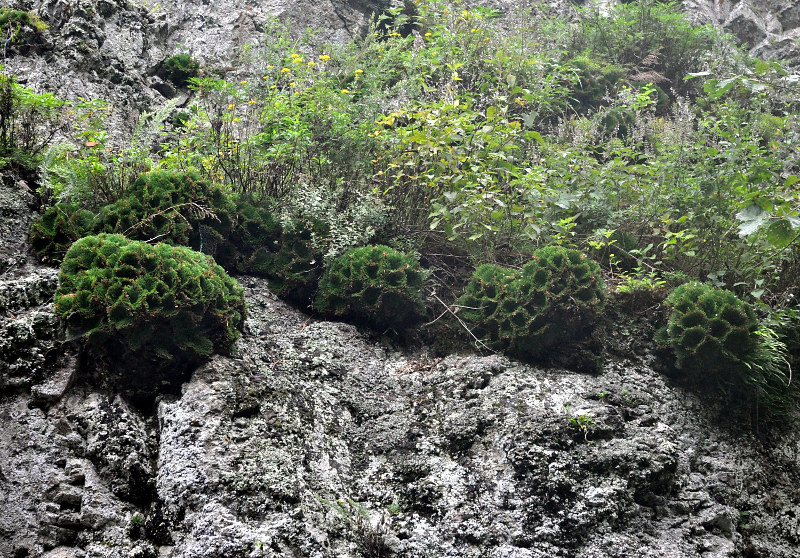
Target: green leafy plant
<point x="710" y="330"/>
<point x="180" y="68"/>
<point x="554" y="299"/>
<point x="294" y="270"/>
<point x="175" y="207"/>
<point x="376" y="285"/>
<point x="154" y="303"/>
<point x="58" y="227"/>
<point x="28" y="123"/>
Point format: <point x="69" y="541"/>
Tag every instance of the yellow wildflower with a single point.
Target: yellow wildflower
<point x="285" y="70"/>
<point x="243" y="82"/>
<point x="269" y="66"/>
<point x="345" y="91"/>
<point x="311" y="63"/>
<point x="231" y="106"/>
<point x="428" y="34"/>
<point x="324" y="57"/>
<point x="251" y="102"/>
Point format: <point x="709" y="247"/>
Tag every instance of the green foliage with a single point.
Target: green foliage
<point x="652" y="39"/>
<point x="58" y="227"/>
<point x="555" y="298"/>
<point x="28" y="123"/>
<point x="376" y="285"/>
<point x="15" y="20"/>
<point x="294" y="270"/>
<point x="180" y="68"/>
<point x="710" y="330"/>
<point x="596" y="81"/>
<point x="161" y="302"/>
<point x="253" y="240"/>
<point x="179" y="208"/>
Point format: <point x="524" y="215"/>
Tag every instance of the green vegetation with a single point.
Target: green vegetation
<point x="711" y="330"/>
<point x="161" y="302"/>
<point x="376" y="285"/>
<point x="180" y="68"/>
<point x="16" y="20"/>
<point x="720" y="344"/>
<point x="28" y="123"/>
<point x="173" y="207"/>
<point x="555" y="299"/>
<point x="58" y="227"/>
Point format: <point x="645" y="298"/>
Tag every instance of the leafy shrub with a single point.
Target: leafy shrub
<point x="28" y="123"/>
<point x="654" y="40"/>
<point x="374" y="284"/>
<point x="710" y="330"/>
<point x="160" y="302"/>
<point x="17" y="19"/>
<point x="180" y="68"/>
<point x="59" y="226"/>
<point x="555" y="298"/>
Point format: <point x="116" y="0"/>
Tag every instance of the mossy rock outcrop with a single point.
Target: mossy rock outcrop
<point x="554" y="301"/>
<point x="375" y="285"/>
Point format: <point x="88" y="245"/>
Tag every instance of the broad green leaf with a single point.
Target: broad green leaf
<point x="780" y="233"/>
<point x="762" y="67"/>
<point x="751" y="217"/>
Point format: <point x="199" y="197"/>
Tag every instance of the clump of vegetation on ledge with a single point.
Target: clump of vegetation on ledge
<point x="151" y="303"/>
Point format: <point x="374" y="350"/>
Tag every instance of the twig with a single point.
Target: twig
<point x="478" y="342"/>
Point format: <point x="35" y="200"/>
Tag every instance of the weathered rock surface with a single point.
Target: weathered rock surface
<point x="319" y="440"/>
<point x="769" y="28"/>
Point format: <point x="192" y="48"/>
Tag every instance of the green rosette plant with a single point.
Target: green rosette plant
<point x="58" y="227"/>
<point x="376" y="285"/>
<point x="175" y="207"/>
<point x="710" y="330"/>
<point x="555" y="299"/>
<point x="154" y="303"/>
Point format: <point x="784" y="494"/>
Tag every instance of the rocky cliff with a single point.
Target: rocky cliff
<point x="317" y="439"/>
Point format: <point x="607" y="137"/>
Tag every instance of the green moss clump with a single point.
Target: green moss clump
<point x="58" y="227"/>
<point x="376" y="285"/>
<point x="180" y="68"/>
<point x="162" y="302"/>
<point x="175" y="207"/>
<point x="23" y="19"/>
<point x="295" y="269"/>
<point x="617" y="122"/>
<point x="595" y="80"/>
<point x="555" y="299"/>
<point x="710" y="330"/>
<point x="254" y="240"/>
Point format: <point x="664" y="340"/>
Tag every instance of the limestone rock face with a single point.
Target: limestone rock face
<point x="769" y="28"/>
<point x="317" y="439"/>
<point x="320" y="440"/>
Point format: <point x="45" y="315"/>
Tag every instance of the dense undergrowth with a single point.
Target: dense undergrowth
<point x="469" y="138"/>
